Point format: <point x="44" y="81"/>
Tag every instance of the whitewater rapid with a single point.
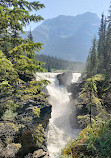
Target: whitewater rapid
<point x="59" y="130"/>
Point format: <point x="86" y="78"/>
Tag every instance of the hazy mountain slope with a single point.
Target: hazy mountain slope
<point x="67" y="37"/>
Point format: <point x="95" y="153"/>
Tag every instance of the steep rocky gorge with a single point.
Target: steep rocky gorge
<point x="29" y="148"/>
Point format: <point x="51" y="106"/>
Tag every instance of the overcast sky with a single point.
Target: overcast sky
<point x="54" y="8"/>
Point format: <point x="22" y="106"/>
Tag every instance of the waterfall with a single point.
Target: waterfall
<point x="59" y="131"/>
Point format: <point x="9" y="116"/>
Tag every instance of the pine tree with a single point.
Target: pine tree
<point x="30" y="37"/>
<point x="89" y="96"/>
<point x="21" y="52"/>
<point x="18" y="85"/>
<point x="91" y="65"/>
<point x="101" y="67"/>
<point x="108" y="46"/>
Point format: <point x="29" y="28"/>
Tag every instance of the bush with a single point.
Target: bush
<point x="92" y="142"/>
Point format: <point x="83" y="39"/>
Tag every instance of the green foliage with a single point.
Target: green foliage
<point x="39" y="134"/>
<point x="84" y="120"/>
<point x="99" y="59"/>
<point x="91" y="65"/>
<point x="95" y="139"/>
<point x="102" y="46"/>
<point x="30" y="37"/>
<point x="91" y="142"/>
<point x="36" y="112"/>
<point x="21" y="95"/>
<point x="99" y="77"/>
<point x="9" y="115"/>
<point x="53" y="63"/>
<point x="7" y="71"/>
<point x="89" y="96"/>
<point x="103" y="142"/>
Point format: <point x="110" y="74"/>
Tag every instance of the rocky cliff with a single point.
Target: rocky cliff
<point x="30" y="141"/>
<point x="37" y="128"/>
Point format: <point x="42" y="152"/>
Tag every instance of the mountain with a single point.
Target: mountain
<point x="67" y="37"/>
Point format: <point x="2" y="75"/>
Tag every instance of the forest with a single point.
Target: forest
<point x="24" y="109"/>
<point x="52" y="64"/>
<point x="94" y="140"/>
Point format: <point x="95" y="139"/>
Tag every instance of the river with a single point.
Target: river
<point x="60" y="130"/>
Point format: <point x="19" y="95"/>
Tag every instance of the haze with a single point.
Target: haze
<point x="55" y="8"/>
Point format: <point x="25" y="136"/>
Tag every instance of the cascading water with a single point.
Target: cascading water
<point x="60" y="130"/>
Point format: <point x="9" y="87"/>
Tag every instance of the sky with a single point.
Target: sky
<point x="54" y="8"/>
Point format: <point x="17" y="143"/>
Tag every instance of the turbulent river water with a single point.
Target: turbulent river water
<point x="60" y="130"/>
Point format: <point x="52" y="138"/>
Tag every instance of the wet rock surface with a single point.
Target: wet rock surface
<point x="39" y="153"/>
<point x="77" y="108"/>
<point x="65" y="78"/>
<point x="108" y="102"/>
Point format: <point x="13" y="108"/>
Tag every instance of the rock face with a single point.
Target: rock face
<point x="108" y="101"/>
<point x="39" y="153"/>
<point x="27" y="139"/>
<point x="75" y="89"/>
<point x="108" y="98"/>
<point x="65" y="78"/>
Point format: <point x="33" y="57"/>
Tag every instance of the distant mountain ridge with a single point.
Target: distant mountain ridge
<point x="67" y="37"/>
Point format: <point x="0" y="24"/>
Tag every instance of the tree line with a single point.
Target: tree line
<point x="99" y="59"/>
<point x="54" y="63"/>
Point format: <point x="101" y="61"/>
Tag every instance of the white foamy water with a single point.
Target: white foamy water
<point x="60" y="131"/>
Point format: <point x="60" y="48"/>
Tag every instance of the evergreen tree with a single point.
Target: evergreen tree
<point x="18" y="85"/>
<point x="30" y="37"/>
<point x="91" y="65"/>
<point x="90" y="98"/>
<point x="54" y="63"/>
<point x="20" y="52"/>
<point x="108" y="46"/>
<point x="101" y="56"/>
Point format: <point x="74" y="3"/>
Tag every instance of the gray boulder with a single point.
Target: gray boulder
<point x="65" y="78"/>
<point x="39" y="153"/>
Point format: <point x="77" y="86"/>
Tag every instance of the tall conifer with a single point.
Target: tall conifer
<point x="18" y="85"/>
<point x="30" y="37"/>
<point x="108" y="46"/>
<point x="92" y="59"/>
<point x="102" y="46"/>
